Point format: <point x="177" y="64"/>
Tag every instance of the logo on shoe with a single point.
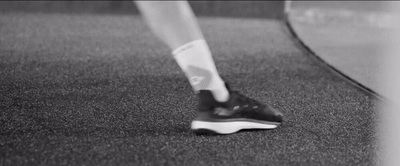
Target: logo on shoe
<point x="224" y="112"/>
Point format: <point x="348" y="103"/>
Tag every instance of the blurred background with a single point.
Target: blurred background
<point x="348" y="35"/>
<point x="263" y="9"/>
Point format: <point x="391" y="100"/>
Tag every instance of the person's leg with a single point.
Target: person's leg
<point x="220" y="110"/>
<point x="175" y="24"/>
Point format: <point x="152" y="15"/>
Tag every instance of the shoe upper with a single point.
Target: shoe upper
<point x="238" y="107"/>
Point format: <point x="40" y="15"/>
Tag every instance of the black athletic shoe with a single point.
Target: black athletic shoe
<point x="238" y="113"/>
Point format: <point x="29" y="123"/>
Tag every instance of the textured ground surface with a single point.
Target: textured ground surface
<point x="101" y="90"/>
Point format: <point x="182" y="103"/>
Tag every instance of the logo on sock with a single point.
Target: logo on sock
<point x="199" y="78"/>
<point x="196" y="80"/>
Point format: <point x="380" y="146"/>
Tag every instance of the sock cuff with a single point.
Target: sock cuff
<point x="189" y="45"/>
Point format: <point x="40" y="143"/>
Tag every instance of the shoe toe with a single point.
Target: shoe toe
<point x="273" y="114"/>
<point x="279" y="117"/>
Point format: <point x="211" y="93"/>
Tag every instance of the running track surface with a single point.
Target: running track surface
<point x="102" y="90"/>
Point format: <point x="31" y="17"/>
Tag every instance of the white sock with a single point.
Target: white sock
<point x="196" y="61"/>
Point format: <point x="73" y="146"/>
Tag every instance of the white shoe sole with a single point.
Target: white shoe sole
<point x="229" y="127"/>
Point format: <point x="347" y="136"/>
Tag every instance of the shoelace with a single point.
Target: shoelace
<point x="250" y="103"/>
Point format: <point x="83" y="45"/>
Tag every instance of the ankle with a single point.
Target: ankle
<point x="220" y="95"/>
